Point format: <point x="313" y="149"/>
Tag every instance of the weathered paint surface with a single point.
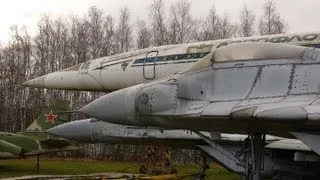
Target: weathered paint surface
<point x="97" y="131"/>
<point x="34" y="140"/>
<point x="120" y="71"/>
<point x="273" y="96"/>
<point x="41" y="123"/>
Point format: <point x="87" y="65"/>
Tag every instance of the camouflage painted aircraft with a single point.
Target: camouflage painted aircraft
<point x="34" y="140"/>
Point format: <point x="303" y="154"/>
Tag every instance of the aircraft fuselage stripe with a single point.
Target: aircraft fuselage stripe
<point x="164" y="63"/>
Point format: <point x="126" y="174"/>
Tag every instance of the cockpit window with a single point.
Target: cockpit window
<point x="176" y="57"/>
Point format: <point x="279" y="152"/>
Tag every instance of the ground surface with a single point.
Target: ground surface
<point x="14" y="168"/>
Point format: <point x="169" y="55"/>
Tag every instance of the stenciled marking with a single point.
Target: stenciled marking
<point x="280" y="39"/>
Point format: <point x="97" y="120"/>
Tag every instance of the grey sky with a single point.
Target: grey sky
<point x="301" y="15"/>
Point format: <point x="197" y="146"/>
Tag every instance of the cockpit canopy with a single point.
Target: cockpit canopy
<point x="255" y="51"/>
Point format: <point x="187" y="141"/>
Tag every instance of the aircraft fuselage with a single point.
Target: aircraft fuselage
<point x="131" y="68"/>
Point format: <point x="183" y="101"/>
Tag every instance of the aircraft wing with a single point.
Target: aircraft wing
<point x="9" y="150"/>
<point x="292" y="112"/>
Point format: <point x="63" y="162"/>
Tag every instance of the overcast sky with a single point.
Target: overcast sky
<point x="301" y="15"/>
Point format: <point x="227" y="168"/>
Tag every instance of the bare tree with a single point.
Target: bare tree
<point x="15" y="69"/>
<point x="216" y="27"/>
<point x="246" y="23"/>
<point x="181" y="22"/>
<point x="227" y="28"/>
<point x="109" y="42"/>
<point x="143" y="35"/>
<point x="158" y="26"/>
<point x="96" y="32"/>
<point x="212" y="25"/>
<point x="78" y="40"/>
<point x="124" y="30"/>
<point x="271" y="22"/>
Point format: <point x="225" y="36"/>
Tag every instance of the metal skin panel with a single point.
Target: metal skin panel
<point x="251" y="102"/>
<point x="218" y="84"/>
<point x="219" y="109"/>
<point x="306" y="79"/>
<point x="186" y="107"/>
<point x="284" y="104"/>
<point x="113" y="77"/>
<point x="157" y="99"/>
<point x="288" y="114"/>
<point x="273" y="81"/>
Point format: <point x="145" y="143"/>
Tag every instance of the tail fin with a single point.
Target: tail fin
<point x="51" y="116"/>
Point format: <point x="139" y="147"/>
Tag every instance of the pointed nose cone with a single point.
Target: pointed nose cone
<point x="80" y="130"/>
<point x="67" y="80"/>
<point x="117" y="107"/>
<point x="110" y="107"/>
<point x="37" y="82"/>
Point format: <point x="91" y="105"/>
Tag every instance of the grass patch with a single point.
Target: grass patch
<point x="11" y="168"/>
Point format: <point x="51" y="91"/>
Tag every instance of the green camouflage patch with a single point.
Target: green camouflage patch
<point x="51" y="116"/>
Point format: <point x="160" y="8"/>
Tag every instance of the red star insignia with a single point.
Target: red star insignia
<point x="50" y="117"/>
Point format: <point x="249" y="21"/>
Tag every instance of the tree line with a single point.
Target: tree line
<point x="63" y="42"/>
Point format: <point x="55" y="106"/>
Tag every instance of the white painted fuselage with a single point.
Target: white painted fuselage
<point x="131" y="68"/>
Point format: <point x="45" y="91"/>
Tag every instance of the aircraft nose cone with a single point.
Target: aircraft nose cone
<point x="110" y="107"/>
<point x="117" y="107"/>
<point x="80" y="130"/>
<point x="37" y="82"/>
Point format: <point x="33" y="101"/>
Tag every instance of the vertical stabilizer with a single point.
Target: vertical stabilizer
<point x="51" y="116"/>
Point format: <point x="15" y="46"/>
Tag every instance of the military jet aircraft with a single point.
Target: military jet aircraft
<point x="246" y="88"/>
<point x="97" y="131"/>
<point x="131" y="68"/>
<point x="34" y="140"/>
